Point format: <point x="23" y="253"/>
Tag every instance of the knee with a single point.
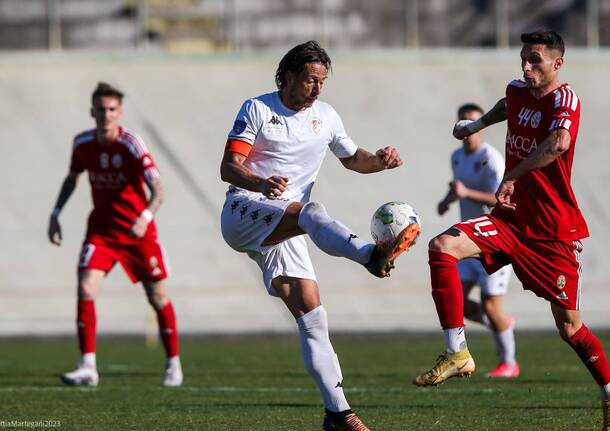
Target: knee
<point x="440" y="243"/>
<point x="86" y="289"/>
<point x="567" y="330"/>
<point x="157" y="297"/>
<point x="490" y="308"/>
<point x="308" y="214"/>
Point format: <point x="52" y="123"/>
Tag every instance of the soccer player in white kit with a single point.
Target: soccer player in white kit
<point x="477" y="172"/>
<point x="272" y="157"/>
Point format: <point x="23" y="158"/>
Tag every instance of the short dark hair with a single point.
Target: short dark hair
<point x="105" y="89"/>
<point x="295" y="60"/>
<point x="548" y="38"/>
<point x="467" y="107"/>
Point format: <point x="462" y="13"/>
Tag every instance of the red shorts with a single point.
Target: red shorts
<point x="550" y="269"/>
<point x="142" y="261"/>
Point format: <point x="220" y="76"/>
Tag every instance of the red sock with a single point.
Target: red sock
<point x="86" y="323"/>
<point x="168" y="330"/>
<point x="446" y="289"/>
<point x="591" y="353"/>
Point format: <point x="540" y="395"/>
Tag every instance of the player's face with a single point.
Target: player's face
<point x="107" y="111"/>
<point x="540" y="65"/>
<point x="303" y="89"/>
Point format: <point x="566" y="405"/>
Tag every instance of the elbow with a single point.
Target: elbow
<point x="224" y="174"/>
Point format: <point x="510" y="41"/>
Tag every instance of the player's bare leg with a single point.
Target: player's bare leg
<point x="302" y="297"/>
<point x="334" y="238"/>
<point x="158" y="299"/>
<point x="588" y="348"/>
<point x="445" y="251"/>
<point x="502" y="327"/>
<point x="86" y="372"/>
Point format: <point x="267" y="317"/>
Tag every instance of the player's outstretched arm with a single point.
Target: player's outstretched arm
<point x="557" y="143"/>
<point x="157" y="196"/>
<point x="233" y="171"/>
<point x="365" y="163"/>
<point x="67" y="187"/>
<point x="465" y="128"/>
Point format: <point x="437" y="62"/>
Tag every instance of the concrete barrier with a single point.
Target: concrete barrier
<point x="184" y="107"/>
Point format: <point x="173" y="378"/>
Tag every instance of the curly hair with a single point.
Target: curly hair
<point x="295" y="60"/>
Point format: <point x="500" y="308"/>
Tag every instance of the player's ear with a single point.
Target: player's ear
<point x="557" y="63"/>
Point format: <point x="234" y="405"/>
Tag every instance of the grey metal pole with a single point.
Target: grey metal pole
<point x="502" y="24"/>
<point x="54" y="24"/>
<point x="593" y="24"/>
<point x="411" y="8"/>
<point x="141" y="24"/>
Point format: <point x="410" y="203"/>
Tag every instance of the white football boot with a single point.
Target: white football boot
<point x="84" y="375"/>
<point x="173" y="372"/>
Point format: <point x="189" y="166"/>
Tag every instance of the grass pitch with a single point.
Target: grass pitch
<point x="258" y="383"/>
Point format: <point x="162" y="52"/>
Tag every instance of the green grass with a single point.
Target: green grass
<point x="257" y="383"/>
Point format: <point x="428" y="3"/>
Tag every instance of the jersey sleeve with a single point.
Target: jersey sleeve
<point x="341" y="144"/>
<point x="144" y="164"/>
<point x="247" y="123"/>
<point x="76" y="165"/>
<point x="566" y="111"/>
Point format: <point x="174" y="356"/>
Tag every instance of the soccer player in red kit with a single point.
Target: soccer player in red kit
<point x="120" y="228"/>
<point x="536" y="225"/>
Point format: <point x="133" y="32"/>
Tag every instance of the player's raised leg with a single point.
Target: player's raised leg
<point x="168" y="330"/>
<point x="444" y="252"/>
<point x="302" y="297"/>
<point x="86" y="373"/>
<point x="588" y="348"/>
<point x="336" y="239"/>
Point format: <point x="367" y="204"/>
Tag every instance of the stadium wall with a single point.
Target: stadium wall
<point x="184" y="107"/>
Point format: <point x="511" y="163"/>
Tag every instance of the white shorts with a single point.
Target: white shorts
<point x="247" y="219"/>
<point x="472" y="271"/>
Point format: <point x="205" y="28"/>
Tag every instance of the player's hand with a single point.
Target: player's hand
<point x="505" y="191"/>
<point x="459" y="189"/>
<point x="443" y="207"/>
<point x="389" y="157"/>
<point x="274" y="186"/>
<point x="461" y="130"/>
<point x="139" y="227"/>
<point x="54" y="230"/>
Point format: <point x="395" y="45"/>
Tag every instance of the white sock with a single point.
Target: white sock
<point x="174" y="361"/>
<point x="505" y="341"/>
<point x="88" y="360"/>
<point x="332" y="236"/>
<point x="606" y="391"/>
<point x="455" y="339"/>
<point x="320" y="359"/>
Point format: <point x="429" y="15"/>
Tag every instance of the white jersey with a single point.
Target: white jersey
<point x="482" y="170"/>
<point x="290" y="143"/>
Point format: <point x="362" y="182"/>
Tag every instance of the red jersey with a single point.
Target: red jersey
<point x="546" y="206"/>
<point x="116" y="173"/>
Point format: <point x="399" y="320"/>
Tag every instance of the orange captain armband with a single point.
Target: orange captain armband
<point x="239" y="147"/>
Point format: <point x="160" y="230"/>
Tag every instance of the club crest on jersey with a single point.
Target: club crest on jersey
<point x="316" y="125"/>
<point x="536" y="119"/>
<point x="561" y="282"/>
<point x="117" y="161"/>
<point x="104" y="161"/>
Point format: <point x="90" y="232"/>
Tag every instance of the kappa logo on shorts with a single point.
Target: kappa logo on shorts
<point x="268" y="219"/>
<point x="561" y="282"/>
<point x="234" y="206"/>
<point x="254" y="215"/>
<point x="243" y="211"/>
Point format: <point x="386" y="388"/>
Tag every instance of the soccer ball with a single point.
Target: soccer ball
<point x="390" y="219"/>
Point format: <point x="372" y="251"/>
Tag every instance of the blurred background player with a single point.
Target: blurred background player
<point x="477" y="172"/>
<point x="536" y="225"/>
<point x="120" y="228"/>
<point x="271" y="159"/>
